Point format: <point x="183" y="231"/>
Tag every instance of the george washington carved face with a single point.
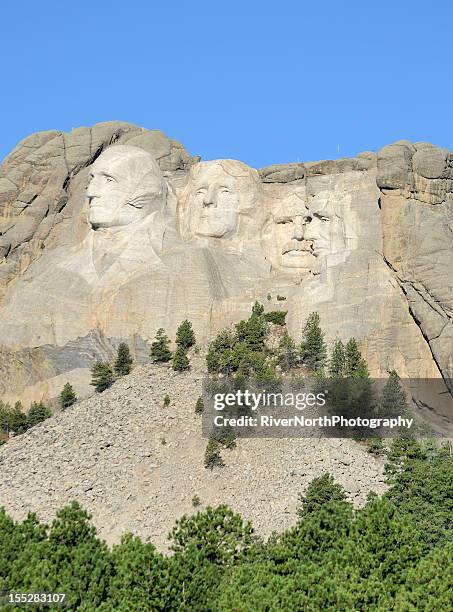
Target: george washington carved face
<point x="125" y="186"/>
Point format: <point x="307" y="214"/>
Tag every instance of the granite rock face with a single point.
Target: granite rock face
<point x="101" y="244"/>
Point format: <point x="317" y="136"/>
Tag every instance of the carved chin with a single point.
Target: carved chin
<point x="215" y="232"/>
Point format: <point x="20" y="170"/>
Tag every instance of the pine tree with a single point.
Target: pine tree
<point x="219" y="356"/>
<point x="393" y="402"/>
<point x="13" y="419"/>
<point x="180" y="360"/>
<point x="257" y="309"/>
<point x="101" y="376"/>
<point x="287" y="352"/>
<point x="252" y="332"/>
<point x="321" y="490"/>
<point x="313" y="348"/>
<point x="123" y="361"/>
<point x="167" y="400"/>
<point x="355" y="365"/>
<point x="160" y="352"/>
<point x="185" y="338"/>
<point x="337" y="362"/>
<point x="67" y="396"/>
<point x="38" y="412"/>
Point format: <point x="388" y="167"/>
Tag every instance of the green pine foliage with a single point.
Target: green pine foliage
<point x="185" y="337"/>
<point x="13" y="419"/>
<point x="287" y="352"/>
<point x="395" y="553"/>
<point x="102" y="376"/>
<point x="393" y="401"/>
<point x="257" y="309"/>
<point x="313" y="350"/>
<point x="252" y="333"/>
<point x="180" y="361"/>
<point x="199" y="406"/>
<point x="67" y="396"/>
<point x="212" y="456"/>
<point x="38" y="412"/>
<point x="355" y="365"/>
<point x="167" y="400"/>
<point x="320" y="491"/>
<point x="123" y="362"/>
<point x="160" y="349"/>
<point x="337" y="362"/>
<point x="277" y="317"/>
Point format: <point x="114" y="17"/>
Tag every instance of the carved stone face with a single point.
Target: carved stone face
<point x="290" y="223"/>
<point x="284" y="235"/>
<point x="324" y="229"/>
<point x="218" y="193"/>
<point x="125" y="186"/>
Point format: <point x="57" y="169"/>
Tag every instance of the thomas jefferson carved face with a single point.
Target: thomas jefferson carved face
<point x="125" y="186"/>
<point x="218" y="193"/>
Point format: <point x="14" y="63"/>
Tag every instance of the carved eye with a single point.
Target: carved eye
<point x="109" y="179"/>
<point x="200" y="192"/>
<point x="224" y="190"/>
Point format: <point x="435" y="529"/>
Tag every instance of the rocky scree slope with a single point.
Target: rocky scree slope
<point x="135" y="464"/>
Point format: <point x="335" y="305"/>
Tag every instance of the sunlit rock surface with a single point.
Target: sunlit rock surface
<point x="111" y="232"/>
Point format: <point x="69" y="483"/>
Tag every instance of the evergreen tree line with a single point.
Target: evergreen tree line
<point x="393" y="554"/>
<point x="14" y="420"/>
<point x="245" y="353"/>
<point x="103" y="374"/>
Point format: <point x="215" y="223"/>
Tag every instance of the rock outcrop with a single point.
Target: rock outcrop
<point x="367" y="242"/>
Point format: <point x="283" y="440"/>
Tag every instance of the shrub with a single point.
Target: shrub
<point x="166" y="400"/>
<point x="277" y="317"/>
<point x="196" y="501"/>
<point x="375" y="446"/>
<point x="225" y="436"/>
<point x="199" y="406"/>
<point x="281" y="298"/>
<point x="212" y="456"/>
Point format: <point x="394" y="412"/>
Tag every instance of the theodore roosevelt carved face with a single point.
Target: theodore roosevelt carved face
<point x="218" y="196"/>
<point x="125" y="186"/>
<point x="304" y="228"/>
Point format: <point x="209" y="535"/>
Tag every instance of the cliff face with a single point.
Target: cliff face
<point x="367" y="242"/>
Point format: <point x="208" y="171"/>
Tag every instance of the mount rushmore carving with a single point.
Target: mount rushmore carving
<point x="111" y="232"/>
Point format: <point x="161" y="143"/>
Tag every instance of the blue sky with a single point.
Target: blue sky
<point x="264" y="82"/>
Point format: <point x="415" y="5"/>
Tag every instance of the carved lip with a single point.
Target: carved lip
<point x="296" y="248"/>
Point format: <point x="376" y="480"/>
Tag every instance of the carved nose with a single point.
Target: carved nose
<point x="208" y="200"/>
